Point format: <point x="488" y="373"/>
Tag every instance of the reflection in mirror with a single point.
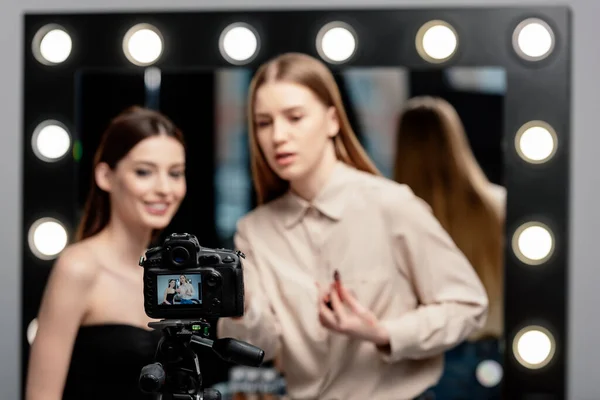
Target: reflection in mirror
<point x="434" y="158"/>
<point x="210" y="108"/>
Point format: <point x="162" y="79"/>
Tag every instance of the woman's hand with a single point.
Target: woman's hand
<point x="349" y="317"/>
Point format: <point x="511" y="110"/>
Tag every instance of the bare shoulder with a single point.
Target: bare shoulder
<point x="78" y="263"/>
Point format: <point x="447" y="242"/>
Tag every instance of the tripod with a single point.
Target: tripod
<point x="175" y="374"/>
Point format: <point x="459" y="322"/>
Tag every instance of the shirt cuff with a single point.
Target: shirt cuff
<point x="403" y="338"/>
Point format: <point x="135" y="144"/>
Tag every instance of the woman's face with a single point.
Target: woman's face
<point x="182" y="279"/>
<point x="148" y="184"/>
<point x="171" y="283"/>
<point x="293" y="128"/>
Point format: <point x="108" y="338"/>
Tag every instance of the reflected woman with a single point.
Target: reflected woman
<point x="186" y="290"/>
<point x="404" y="292"/>
<point x="169" y="292"/>
<point x="93" y="339"/>
<point x="435" y="160"/>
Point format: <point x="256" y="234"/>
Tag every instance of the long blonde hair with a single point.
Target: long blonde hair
<point x="311" y="73"/>
<point x="434" y="158"/>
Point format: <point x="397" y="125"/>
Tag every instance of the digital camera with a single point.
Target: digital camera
<point x="183" y="280"/>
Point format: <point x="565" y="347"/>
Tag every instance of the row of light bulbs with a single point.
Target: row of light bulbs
<point x="436" y="42"/>
<point x="536" y="141"/>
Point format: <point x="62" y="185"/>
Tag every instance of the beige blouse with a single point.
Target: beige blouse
<point x="395" y="257"/>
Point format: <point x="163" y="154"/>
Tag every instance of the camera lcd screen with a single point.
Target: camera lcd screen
<point x="175" y="290"/>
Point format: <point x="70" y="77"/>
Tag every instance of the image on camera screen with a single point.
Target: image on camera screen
<point x="179" y="289"/>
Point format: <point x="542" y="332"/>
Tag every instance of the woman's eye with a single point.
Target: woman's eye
<point x="142" y="172"/>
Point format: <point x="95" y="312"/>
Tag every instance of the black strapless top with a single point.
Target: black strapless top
<point x="107" y="360"/>
<point x="170" y="297"/>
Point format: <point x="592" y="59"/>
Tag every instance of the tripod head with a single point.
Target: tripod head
<point x="175" y="374"/>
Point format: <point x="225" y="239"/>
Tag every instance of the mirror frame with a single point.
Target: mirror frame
<point x="536" y="91"/>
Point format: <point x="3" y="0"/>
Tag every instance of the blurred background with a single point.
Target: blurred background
<point x="217" y="98"/>
<point x="210" y="109"/>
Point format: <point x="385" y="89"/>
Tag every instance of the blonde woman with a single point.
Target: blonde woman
<point x="435" y="160"/>
<point x="404" y="293"/>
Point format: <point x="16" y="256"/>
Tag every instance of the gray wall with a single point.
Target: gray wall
<point x="585" y="226"/>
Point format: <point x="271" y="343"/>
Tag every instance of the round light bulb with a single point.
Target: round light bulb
<point x="534" y="347"/>
<point x="143" y="44"/>
<point x="52" y="45"/>
<point x="50" y="141"/>
<point x="536" y="142"/>
<point x="533" y="243"/>
<point x="436" y="41"/>
<point x="533" y="39"/>
<point x="239" y="43"/>
<point x="47" y="238"/>
<point x="336" y="42"/>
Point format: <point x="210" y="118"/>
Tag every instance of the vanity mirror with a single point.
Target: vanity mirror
<point x="505" y="70"/>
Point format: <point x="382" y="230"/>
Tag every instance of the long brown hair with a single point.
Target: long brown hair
<point x="435" y="160"/>
<point x="125" y="131"/>
<point x="311" y="73"/>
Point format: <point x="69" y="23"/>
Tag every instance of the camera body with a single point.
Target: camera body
<point x="183" y="280"/>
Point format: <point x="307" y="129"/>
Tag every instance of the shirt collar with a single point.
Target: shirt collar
<point x="330" y="200"/>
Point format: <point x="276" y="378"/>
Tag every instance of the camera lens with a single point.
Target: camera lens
<point x="180" y="255"/>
